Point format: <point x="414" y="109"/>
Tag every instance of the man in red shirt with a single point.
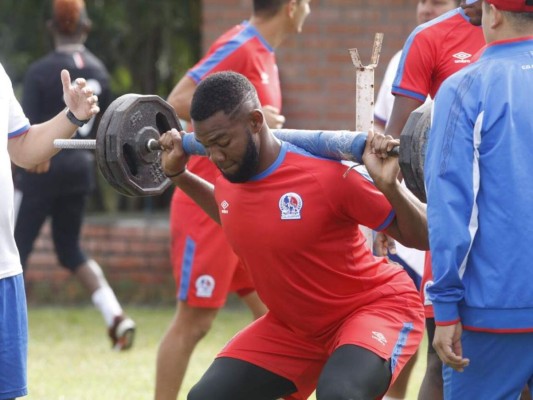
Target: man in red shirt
<point x="340" y="320"/>
<point x="205" y="267"/>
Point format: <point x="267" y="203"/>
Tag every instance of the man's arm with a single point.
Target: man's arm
<point x="181" y="96"/>
<point x="410" y="224"/>
<point x="36" y="145"/>
<point x="174" y="162"/>
<point x="200" y="191"/>
<point x="401" y="110"/>
<point x="452" y="180"/>
<point x="451" y="190"/>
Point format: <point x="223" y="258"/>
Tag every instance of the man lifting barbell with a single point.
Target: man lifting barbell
<point x="307" y="211"/>
<point x="127" y="148"/>
<point x="317" y="207"/>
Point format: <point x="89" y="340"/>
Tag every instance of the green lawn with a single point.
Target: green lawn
<point x="70" y="356"/>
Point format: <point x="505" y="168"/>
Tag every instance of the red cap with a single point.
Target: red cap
<point x="513" y="5"/>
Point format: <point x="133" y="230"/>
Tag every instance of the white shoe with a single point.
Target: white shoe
<point x="122" y="333"/>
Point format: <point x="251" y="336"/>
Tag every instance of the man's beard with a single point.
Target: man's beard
<point x="249" y="165"/>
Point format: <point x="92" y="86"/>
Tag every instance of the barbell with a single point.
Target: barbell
<point x="128" y="154"/>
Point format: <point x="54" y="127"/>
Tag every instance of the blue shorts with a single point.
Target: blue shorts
<point x="13" y="337"/>
<point x="501" y="365"/>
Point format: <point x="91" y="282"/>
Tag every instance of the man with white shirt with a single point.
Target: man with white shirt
<point x="26" y="146"/>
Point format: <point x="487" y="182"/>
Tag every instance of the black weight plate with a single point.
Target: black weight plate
<point x="413" y="141"/>
<point x="100" y="150"/>
<point x="137" y="119"/>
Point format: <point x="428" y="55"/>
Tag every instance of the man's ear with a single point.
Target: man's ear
<point x="496" y="17"/>
<point x="257" y="119"/>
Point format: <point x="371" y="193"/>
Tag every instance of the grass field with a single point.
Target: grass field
<point x="70" y="356"/>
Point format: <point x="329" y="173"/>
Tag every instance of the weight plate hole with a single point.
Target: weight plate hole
<point x="162" y="123"/>
<point x="130" y="157"/>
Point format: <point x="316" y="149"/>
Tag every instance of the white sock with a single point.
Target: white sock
<point x="391" y="398"/>
<point x="105" y="300"/>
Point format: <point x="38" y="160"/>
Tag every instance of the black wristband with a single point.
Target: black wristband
<point x="177" y="173"/>
<point x="72" y="118"/>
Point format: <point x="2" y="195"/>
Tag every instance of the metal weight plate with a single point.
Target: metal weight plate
<point x="135" y="170"/>
<point x="100" y="151"/>
<point x="413" y="141"/>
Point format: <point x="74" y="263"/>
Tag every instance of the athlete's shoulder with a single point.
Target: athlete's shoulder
<point x="298" y="156"/>
<point x="237" y="36"/>
<point x="441" y="26"/>
<point x="334" y="176"/>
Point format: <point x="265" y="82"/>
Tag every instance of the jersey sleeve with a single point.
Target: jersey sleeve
<point x="225" y="58"/>
<point x="415" y="70"/>
<point x="452" y="179"/>
<point x="362" y="201"/>
<point x="248" y="55"/>
<point x="18" y="124"/>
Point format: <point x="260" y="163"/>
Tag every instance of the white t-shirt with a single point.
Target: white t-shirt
<point x="382" y="111"/>
<point x="13" y="122"/>
<point x="385" y="99"/>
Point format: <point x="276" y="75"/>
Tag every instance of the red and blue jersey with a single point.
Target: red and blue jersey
<point x="434" y="51"/>
<point x="242" y="49"/>
<point x="295" y="227"/>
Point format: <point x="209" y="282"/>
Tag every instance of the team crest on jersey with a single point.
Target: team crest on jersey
<point x="462" y="57"/>
<point x="205" y="284"/>
<point x="427" y="301"/>
<point x="290" y="205"/>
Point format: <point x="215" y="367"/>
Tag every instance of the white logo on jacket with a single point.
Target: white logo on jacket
<point x="290" y="205"/>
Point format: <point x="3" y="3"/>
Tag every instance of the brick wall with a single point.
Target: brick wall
<point x="133" y="252"/>
<point x="318" y="78"/>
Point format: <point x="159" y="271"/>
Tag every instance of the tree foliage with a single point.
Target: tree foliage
<point x="146" y="45"/>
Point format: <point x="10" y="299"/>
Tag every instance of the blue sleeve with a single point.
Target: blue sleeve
<point x="451" y="176"/>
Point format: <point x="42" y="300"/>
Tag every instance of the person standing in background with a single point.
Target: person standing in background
<point x="59" y="188"/>
<point x="205" y="267"/>
<point x="26" y="146"/>
<point x="411" y="259"/>
<point x="478" y="179"/>
<point x="426" y="10"/>
<point x="433" y="51"/>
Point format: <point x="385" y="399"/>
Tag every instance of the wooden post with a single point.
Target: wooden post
<point x="364" y="99"/>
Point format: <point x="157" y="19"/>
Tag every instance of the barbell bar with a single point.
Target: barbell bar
<point x="128" y="152"/>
